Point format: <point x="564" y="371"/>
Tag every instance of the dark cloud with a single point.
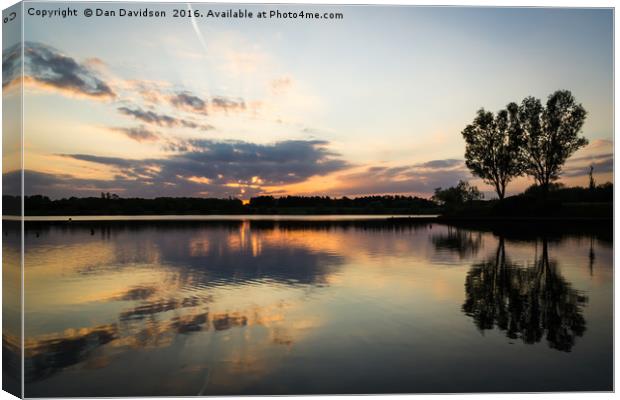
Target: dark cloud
<point x="420" y="178"/>
<point x="242" y="169"/>
<point x="188" y="102"/>
<point x="163" y="120"/>
<point x="284" y="162"/>
<point x="128" y="170"/>
<point x="115" y="161"/>
<point x="47" y="67"/>
<point x="226" y="104"/>
<point x="11" y="64"/>
<point x="139" y="133"/>
<point x="207" y="168"/>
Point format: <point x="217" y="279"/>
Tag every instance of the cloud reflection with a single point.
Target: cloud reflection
<point x="223" y="307"/>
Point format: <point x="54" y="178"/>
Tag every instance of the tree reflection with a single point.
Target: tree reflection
<point x="464" y="242"/>
<point x="528" y="303"/>
<point x="591" y="256"/>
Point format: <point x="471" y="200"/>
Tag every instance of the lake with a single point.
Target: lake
<point x="128" y="308"/>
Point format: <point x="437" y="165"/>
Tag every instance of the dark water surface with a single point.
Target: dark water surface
<point x="277" y="307"/>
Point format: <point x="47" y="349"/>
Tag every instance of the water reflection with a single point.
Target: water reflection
<point x="11" y="308"/>
<point x="529" y="302"/>
<point x="220" y="253"/>
<point x="464" y="242"/>
<point x="191" y="267"/>
<point x="267" y="307"/>
<point x="47" y="355"/>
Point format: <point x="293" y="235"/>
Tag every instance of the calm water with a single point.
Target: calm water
<point x="276" y="307"/>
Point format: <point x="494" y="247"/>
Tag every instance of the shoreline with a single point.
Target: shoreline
<point x="220" y="217"/>
<point x="300" y="217"/>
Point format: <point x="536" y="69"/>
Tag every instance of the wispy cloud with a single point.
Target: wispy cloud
<point x="162" y="120"/>
<point x="281" y="85"/>
<point x="598" y="154"/>
<point x="138" y="133"/>
<point x="227" y="104"/>
<point x="421" y="178"/>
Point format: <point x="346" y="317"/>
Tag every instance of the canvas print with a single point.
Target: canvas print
<point x="302" y="199"/>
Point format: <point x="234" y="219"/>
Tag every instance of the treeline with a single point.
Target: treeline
<point x="115" y="205"/>
<point x="603" y="193"/>
<point x="43" y="205"/>
<point x="366" y="203"/>
<point x="555" y="201"/>
<point x="595" y="200"/>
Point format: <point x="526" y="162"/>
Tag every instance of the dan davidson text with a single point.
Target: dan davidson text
<point x="123" y="12"/>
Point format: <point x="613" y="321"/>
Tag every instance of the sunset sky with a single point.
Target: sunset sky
<point x="371" y="104"/>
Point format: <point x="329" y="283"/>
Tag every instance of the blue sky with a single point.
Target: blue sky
<point x="370" y="104"/>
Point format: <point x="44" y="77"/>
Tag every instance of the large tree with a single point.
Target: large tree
<point x="493" y="147"/>
<point x="550" y="135"/>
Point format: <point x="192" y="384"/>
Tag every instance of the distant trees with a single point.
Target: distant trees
<point x="457" y="195"/>
<point x="326" y="204"/>
<point x="112" y="204"/>
<point x="527" y="139"/>
<point x="107" y="196"/>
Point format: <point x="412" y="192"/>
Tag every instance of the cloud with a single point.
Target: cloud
<point x="599" y="154"/>
<point x="151" y="91"/>
<point x="11" y="64"/>
<point x="602" y="163"/>
<point x="149" y="117"/>
<point x="163" y="120"/>
<point x="206" y="168"/>
<point x="284" y="162"/>
<point x="225" y="104"/>
<point x="158" y="93"/>
<point x="115" y="161"/>
<point x="440" y="164"/>
<point x="420" y="178"/>
<point x="47" y="68"/>
<point x="591" y="158"/>
<point x="60" y="185"/>
<point x="139" y="133"/>
<point x="188" y="102"/>
<point x="281" y="85"/>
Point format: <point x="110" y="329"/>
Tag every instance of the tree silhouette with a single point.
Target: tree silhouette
<point x="528" y="303"/>
<point x="550" y="135"/>
<point x="592" y="183"/>
<point x="493" y="147"/>
<point x="462" y="193"/>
